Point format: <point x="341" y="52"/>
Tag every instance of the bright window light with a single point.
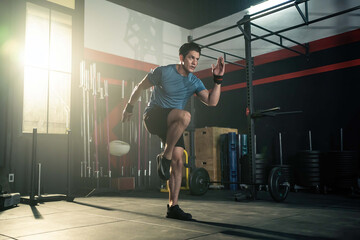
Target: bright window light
<point x="47" y="74"/>
<point x="265" y="5"/>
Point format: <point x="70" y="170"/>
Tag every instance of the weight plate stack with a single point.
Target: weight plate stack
<point x="245" y="170"/>
<point x="344" y="168"/>
<point x="261" y="171"/>
<point x="307" y="167"/>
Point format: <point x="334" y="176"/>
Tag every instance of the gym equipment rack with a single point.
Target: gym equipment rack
<point x="245" y="25"/>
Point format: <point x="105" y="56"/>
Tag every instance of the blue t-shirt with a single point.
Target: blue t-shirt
<point x="172" y="90"/>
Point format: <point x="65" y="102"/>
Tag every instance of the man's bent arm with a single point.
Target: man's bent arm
<point x="135" y="95"/>
<point x="210" y="98"/>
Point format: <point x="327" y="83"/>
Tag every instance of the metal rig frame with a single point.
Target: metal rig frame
<point x="245" y="25"/>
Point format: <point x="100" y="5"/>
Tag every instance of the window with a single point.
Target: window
<point x="47" y="73"/>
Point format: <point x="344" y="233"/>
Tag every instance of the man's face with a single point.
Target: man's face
<point x="190" y="61"/>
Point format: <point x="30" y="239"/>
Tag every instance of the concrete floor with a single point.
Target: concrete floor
<point x="140" y="215"/>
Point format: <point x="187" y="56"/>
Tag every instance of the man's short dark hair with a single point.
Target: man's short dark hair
<point x="187" y="47"/>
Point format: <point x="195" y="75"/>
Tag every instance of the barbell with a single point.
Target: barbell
<point x="278" y="186"/>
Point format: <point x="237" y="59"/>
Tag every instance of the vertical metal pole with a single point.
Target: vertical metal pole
<point x="255" y="149"/>
<point x="33" y="166"/>
<point x="139" y="142"/>
<point x="87" y="79"/>
<point x="39" y="180"/>
<point x="306" y="12"/>
<point x="106" y="87"/>
<point x="83" y="86"/>
<point x="341" y="140"/>
<point x="310" y="141"/>
<point x="191" y="160"/>
<point x="68" y="164"/>
<point x="95" y="125"/>
<point x="281" y="152"/>
<point x="250" y="102"/>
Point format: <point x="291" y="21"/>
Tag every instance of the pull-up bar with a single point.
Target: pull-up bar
<point x="233" y="63"/>
<point x="309" y="22"/>
<point x="276" y="8"/>
<point x="295" y="2"/>
<point x="223" y="52"/>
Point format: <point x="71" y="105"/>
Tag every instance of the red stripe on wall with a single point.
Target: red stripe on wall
<point x="233" y="87"/>
<point x="98" y="56"/>
<point x="303" y="73"/>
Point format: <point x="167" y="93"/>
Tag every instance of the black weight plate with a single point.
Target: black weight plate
<point x="199" y="181"/>
<point x="312" y="165"/>
<point x="261" y="165"/>
<point x="278" y="191"/>
<point x="305" y="178"/>
<point x="308" y="160"/>
<point x="308" y="154"/>
<point x="314" y="179"/>
<point x="312" y="170"/>
<point x="261" y="170"/>
<point x="282" y="166"/>
<point x="311" y="174"/>
<point x="262" y="160"/>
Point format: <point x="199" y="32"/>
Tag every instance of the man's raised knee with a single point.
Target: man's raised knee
<point x="181" y="116"/>
<point x="186" y="118"/>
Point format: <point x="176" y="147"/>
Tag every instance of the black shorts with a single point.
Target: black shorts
<point x="155" y="121"/>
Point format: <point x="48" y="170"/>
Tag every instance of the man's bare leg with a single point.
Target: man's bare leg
<point x="173" y="210"/>
<point x="175" y="175"/>
<point x="177" y="122"/>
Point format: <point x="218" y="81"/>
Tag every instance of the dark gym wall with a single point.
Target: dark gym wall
<point x="4" y="81"/>
<point x="5" y="28"/>
<point x="12" y="36"/>
<point x="328" y="99"/>
<point x="16" y="151"/>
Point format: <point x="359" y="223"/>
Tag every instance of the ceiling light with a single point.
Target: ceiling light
<point x="265" y="5"/>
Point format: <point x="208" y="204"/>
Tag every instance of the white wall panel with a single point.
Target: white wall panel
<point x="113" y="29"/>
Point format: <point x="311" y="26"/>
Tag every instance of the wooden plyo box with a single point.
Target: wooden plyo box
<point x="207" y="149"/>
<point x="123" y="183"/>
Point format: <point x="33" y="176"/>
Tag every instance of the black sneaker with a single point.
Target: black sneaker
<point x="177" y="213"/>
<point x="163" y="167"/>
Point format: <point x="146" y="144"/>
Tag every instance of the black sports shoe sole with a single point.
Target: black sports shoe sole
<point x="179" y="218"/>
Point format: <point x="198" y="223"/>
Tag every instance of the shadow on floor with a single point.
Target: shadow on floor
<point x="257" y="233"/>
<point x="116" y="209"/>
<point x="36" y="213"/>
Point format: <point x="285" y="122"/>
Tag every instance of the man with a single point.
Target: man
<point x="165" y="115"/>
